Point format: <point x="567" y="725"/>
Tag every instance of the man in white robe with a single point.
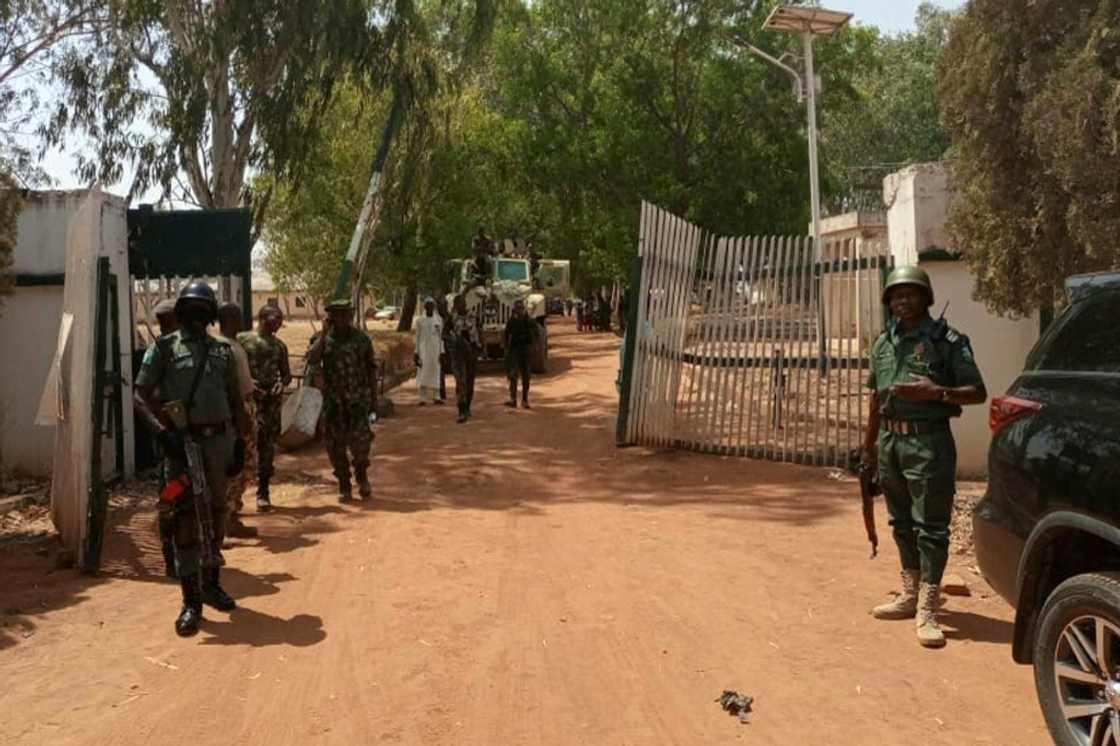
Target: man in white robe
<point x="429" y="346"/>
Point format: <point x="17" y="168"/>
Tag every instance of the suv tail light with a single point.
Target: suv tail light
<point x="1006" y="409"/>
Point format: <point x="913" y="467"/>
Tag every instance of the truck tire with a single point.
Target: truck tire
<point x="538" y="360"/>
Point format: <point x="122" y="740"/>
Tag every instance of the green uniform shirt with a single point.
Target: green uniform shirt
<point x="268" y="359"/>
<point x="169" y="365"/>
<point x="349" y="370"/>
<point x="897" y="356"/>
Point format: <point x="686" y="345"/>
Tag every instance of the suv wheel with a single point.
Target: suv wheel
<point x="1077" y="661"/>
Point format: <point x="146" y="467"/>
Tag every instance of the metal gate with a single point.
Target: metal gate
<point x="754" y="346"/>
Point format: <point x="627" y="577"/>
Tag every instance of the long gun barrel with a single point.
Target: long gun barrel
<point x="176" y="413"/>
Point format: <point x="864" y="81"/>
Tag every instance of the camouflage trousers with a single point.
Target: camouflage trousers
<point x="347" y="430"/>
<point x="235" y="490"/>
<point x="268" y="432"/>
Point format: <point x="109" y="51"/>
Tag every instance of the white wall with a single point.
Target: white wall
<point x="29" y="328"/>
<point x="30" y="318"/>
<point x="918" y="198"/>
<point x="999" y="344"/>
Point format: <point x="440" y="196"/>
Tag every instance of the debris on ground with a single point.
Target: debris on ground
<point x="736" y="704"/>
<point x="954" y="585"/>
<point x="968" y="495"/>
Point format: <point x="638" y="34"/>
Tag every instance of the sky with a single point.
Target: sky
<point x="891" y="16"/>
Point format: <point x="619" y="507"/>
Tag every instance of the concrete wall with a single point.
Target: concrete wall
<point x="918" y="198"/>
<point x="30" y="318"/>
<point x="28" y="327"/>
<point x="999" y="344"/>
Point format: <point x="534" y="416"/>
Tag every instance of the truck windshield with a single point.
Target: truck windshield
<point x="517" y="271"/>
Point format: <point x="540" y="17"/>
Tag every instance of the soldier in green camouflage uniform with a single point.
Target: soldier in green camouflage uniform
<point x="345" y="356"/>
<point x="922" y="372"/>
<point x="463" y="341"/>
<point x="268" y="361"/>
<point x="191" y="367"/>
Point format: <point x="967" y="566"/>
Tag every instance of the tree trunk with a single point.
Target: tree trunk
<point x="408" y="310"/>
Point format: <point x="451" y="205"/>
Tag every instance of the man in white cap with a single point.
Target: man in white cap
<point x="429" y="347"/>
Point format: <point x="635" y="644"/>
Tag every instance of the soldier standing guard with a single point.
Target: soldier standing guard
<point x="193" y="368"/>
<point x="345" y="356"/>
<point x="463" y="341"/>
<point x="268" y="360"/>
<point x="922" y="372"/>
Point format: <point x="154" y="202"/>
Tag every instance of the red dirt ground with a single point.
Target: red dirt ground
<point x="518" y="580"/>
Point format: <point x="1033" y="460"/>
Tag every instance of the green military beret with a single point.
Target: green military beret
<point x="340" y="304"/>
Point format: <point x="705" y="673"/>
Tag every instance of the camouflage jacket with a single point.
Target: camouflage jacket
<point x="461" y="333"/>
<point x="268" y="360"/>
<point x="349" y="370"/>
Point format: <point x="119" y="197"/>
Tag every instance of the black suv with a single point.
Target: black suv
<point x="1048" y="530"/>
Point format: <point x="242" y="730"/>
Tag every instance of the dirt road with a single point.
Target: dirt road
<point x="517" y="580"/>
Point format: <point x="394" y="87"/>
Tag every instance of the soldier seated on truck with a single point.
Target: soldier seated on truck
<point x="482" y="248"/>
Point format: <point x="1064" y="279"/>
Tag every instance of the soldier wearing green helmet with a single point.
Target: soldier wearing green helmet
<point x="922" y="373"/>
<point x="344" y="354"/>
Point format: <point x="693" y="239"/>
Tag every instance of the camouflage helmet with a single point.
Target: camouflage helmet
<point x="198" y="291"/>
<point x="909" y="274"/>
<point x="340" y="304"/>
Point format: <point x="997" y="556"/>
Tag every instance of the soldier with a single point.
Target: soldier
<point x="268" y="360"/>
<point x="349" y="371"/>
<point x="191" y="367"/>
<point x="229" y="324"/>
<point x="444" y="358"/>
<point x="519" y="336"/>
<point x="922" y="373"/>
<point x="482" y="249"/>
<point x="463" y="341"/>
<point x="165" y="317"/>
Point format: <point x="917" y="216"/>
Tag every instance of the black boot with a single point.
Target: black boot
<point x="190" y="616"/>
<point x="462" y="414"/>
<point x="365" y="491"/>
<point x="345" y="492"/>
<point x="264" y="503"/>
<point x="212" y="593"/>
<point x="512" y="403"/>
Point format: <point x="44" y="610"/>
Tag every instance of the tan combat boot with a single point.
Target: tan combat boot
<point x="929" y="599"/>
<point x="906" y="605"/>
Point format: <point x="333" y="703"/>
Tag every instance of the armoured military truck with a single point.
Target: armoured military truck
<point x="553" y="280"/>
<point x="492" y="301"/>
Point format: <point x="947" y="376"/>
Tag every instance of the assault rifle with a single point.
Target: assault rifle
<point x="176" y="414"/>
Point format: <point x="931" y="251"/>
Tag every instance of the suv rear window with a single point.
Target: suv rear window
<point x="1089" y="338"/>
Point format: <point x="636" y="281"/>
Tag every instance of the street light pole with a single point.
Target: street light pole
<point x="814" y="175"/>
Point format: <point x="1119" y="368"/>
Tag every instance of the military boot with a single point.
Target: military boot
<point x="190" y="616"/>
<point x="512" y="403"/>
<point x="264" y="503"/>
<point x="929" y="601"/>
<point x="238" y="530"/>
<point x="525" y="402"/>
<point x="365" y="491"/>
<point x="212" y="592"/>
<point x="345" y="492"/>
<point x="462" y="415"/>
<point x="906" y="605"/>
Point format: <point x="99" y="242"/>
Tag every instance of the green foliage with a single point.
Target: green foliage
<point x="216" y="84"/>
<point x="890" y="116"/>
<point x="1030" y="92"/>
<point x="11" y="200"/>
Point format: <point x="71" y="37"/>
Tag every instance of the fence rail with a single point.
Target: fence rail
<point x="752" y="345"/>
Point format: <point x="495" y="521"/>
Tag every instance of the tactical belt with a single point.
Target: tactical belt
<point x="206" y="431"/>
<point x="918" y="427"/>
